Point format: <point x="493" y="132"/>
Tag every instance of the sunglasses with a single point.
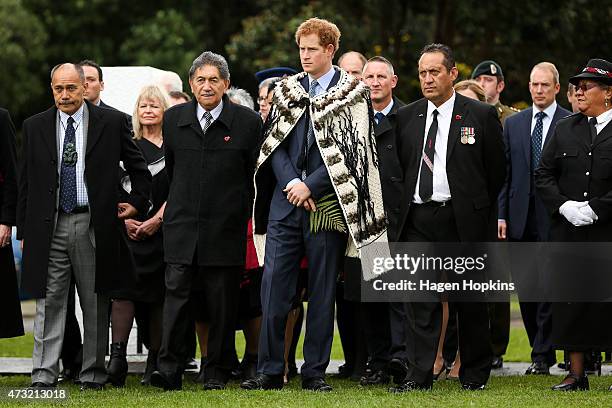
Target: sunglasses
<point x="586" y="86"/>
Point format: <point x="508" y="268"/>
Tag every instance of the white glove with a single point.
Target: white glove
<point x="588" y="211"/>
<point x="571" y="211"/>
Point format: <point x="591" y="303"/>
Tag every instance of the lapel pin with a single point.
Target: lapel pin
<point x="227" y="138"/>
<point x="457" y="117"/>
<point x="420" y="115"/>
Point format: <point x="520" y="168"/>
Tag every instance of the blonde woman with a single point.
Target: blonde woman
<point x="144" y="288"/>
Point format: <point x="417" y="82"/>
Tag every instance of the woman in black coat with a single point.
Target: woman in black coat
<point x="11" y="323"/>
<point x="574" y="183"/>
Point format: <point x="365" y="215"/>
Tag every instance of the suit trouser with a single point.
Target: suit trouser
<point x="499" y="319"/>
<point x="350" y="329"/>
<point x="375" y="317"/>
<point x="71" y="252"/>
<point x="437" y="224"/>
<point x="286" y="243"/>
<point x="220" y="289"/>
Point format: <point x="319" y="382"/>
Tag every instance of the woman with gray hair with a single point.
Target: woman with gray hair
<point x="241" y="97"/>
<point x="142" y="291"/>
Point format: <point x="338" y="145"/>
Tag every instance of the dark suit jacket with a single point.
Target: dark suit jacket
<point x="519" y="186"/>
<point x="285" y="161"/>
<point x="109" y="141"/>
<point x="391" y="174"/>
<point x="211" y="184"/>
<point x="475" y="172"/>
<point x="573" y="169"/>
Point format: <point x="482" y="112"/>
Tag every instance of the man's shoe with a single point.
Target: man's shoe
<point x="39" y="385"/>
<point x="497" y="362"/>
<point x="538" y="368"/>
<point x="213" y="384"/>
<point x="409" y="385"/>
<point x="398" y="369"/>
<point x="160" y="380"/>
<point x="376" y="378"/>
<point x="575" y="383"/>
<point x="470" y="386"/>
<point x="345" y="371"/>
<point x="263" y="382"/>
<point x="91" y="386"/>
<point x="316" y="384"/>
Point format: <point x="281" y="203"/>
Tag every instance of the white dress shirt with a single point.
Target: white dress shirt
<point x="82" y="198"/>
<point x="603" y="120"/>
<point x="546" y="120"/>
<point x="215" y="112"/>
<point x="386" y="110"/>
<point x="441" y="190"/>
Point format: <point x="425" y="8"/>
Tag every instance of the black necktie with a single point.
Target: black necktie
<point x="426" y="181"/>
<point x="592" y="123"/>
<point x="536" y="140"/>
<point x="68" y="188"/>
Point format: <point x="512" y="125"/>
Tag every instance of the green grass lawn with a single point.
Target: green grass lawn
<point x="501" y="392"/>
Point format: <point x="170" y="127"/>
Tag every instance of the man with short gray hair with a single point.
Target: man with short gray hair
<point x="211" y="146"/>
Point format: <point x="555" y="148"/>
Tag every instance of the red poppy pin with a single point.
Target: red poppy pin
<point x="227" y="138"/>
<point x="457" y="117"/>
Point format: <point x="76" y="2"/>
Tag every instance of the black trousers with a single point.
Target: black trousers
<point x="431" y="223"/>
<point x="537" y="316"/>
<point x="351" y="331"/>
<point x="218" y="288"/>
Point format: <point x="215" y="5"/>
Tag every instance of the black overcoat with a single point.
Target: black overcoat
<point x="211" y="184"/>
<point x="109" y="141"/>
<point x="11" y="323"/>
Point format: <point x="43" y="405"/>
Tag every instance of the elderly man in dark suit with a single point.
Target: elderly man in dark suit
<point x="211" y="147"/>
<point x="452" y="153"/>
<point x="69" y="218"/>
<point x="522" y="215"/>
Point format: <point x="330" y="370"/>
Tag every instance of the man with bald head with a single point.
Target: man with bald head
<point x="353" y="63"/>
<point x="69" y="219"/>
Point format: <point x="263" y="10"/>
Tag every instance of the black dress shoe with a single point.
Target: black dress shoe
<point x="470" y="386"/>
<point x="213" y="384"/>
<point x="375" y="378"/>
<point x="538" y="368"/>
<point x="398" y="369"/>
<point x="161" y="380"/>
<point x="190" y="364"/>
<point x="263" y="382"/>
<point x="316" y="384"/>
<point x="91" y="386"/>
<point x="409" y="385"/>
<point x="497" y="362"/>
<point x="345" y="371"/>
<point x="576" y="383"/>
<point x="39" y="385"/>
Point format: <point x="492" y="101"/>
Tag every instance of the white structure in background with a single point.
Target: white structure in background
<point x="123" y="84"/>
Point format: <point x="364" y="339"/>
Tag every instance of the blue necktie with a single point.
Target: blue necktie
<point x="68" y="188"/>
<point x="378" y="117"/>
<point x="536" y="141"/>
<point x="312" y="92"/>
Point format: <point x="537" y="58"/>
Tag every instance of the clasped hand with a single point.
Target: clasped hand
<point x="299" y="195"/>
<point x="578" y="213"/>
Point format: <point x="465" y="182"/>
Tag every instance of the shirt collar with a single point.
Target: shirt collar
<point x="443" y="110"/>
<point x="550" y="111"/>
<point x="387" y="109"/>
<point x="77" y="116"/>
<point x="604" y="117"/>
<point x="215" y="112"/>
<point x="325" y="79"/>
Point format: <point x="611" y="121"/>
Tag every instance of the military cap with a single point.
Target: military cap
<point x="488" y="67"/>
<point x="274" y="72"/>
<point x="598" y="70"/>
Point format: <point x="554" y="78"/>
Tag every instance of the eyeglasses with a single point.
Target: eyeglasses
<point x="261" y="99"/>
<point x="585" y="86"/>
